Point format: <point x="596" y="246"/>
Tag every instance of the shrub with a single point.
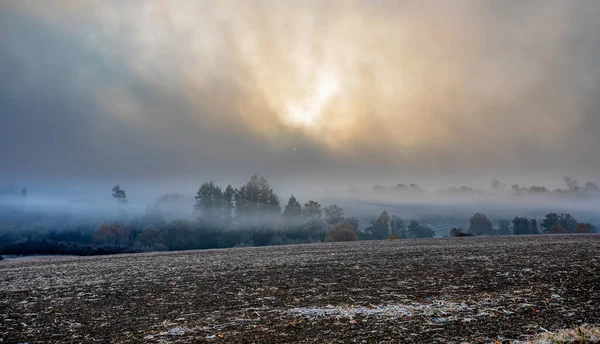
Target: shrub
<point x="582" y="334"/>
<point x="341" y="232"/>
<point x="458" y="232"/>
<point x="393" y="237"/>
<point x="584" y="228"/>
<point x="416" y="230"/>
<point x="480" y="225"/>
<point x="557" y="229"/>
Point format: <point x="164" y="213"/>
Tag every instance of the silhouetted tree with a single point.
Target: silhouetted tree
<point x="564" y="220"/>
<point x="380" y="228"/>
<point x="256" y="198"/>
<point x="293" y="210"/>
<point x="209" y="203"/>
<point x="228" y="205"/>
<point x="312" y="210"/>
<point x="567" y="222"/>
<point x="504" y="227"/>
<point x="415" y="188"/>
<point x="397" y="226"/>
<point x="352" y="222"/>
<point x="533" y="227"/>
<point x="312" y="216"/>
<point x="591" y="187"/>
<point x="334" y="215"/>
<point x="401" y="187"/>
<point x="537" y="189"/>
<point x="572" y="184"/>
<point x="521" y="226"/>
<point x="516" y="190"/>
<point x="416" y="230"/>
<point x="549" y="221"/>
<point x="479" y="224"/>
<point x="120" y="195"/>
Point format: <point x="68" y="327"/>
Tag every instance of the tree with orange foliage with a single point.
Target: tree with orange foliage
<point x="557" y="229"/>
<point x="584" y="228"/>
<point x="341" y="232"/>
<point x="113" y="234"/>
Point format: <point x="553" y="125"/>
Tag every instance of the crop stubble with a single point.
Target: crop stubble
<point x="434" y="290"/>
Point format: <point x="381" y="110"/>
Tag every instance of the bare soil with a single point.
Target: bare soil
<point x="435" y="290"/>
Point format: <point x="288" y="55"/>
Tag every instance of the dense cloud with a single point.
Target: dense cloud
<point x="353" y="88"/>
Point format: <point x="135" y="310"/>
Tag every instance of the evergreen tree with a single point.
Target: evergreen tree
<point x="521" y="226"/>
<point x="257" y="199"/>
<point x="228" y="205"/>
<point x="293" y="210"/>
<point x="533" y="227"/>
<point x="209" y="203"/>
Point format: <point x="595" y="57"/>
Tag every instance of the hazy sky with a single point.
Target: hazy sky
<point x="345" y="89"/>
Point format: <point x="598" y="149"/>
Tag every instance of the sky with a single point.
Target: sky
<point x="302" y="90"/>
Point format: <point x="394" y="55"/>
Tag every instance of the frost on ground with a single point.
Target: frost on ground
<point x="582" y="335"/>
<point x="437" y="311"/>
<point x="436" y="291"/>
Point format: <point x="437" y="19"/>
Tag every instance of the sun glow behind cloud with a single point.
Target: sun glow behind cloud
<point x="309" y="111"/>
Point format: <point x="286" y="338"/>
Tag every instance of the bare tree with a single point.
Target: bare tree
<point x="572" y="184"/>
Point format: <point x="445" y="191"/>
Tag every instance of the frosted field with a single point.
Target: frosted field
<point x="436" y="290"/>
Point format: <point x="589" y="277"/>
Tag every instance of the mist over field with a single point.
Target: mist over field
<point x="335" y="103"/>
<point x="440" y="208"/>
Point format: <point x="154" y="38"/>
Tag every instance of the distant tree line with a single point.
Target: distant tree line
<point x="250" y="215"/>
<point x="572" y="188"/>
<point x="552" y="223"/>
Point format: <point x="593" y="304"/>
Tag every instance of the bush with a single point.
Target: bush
<point x="557" y="229"/>
<point x="480" y="225"/>
<point x="584" y="228"/>
<point x="341" y="232"/>
<point x="458" y="232"/>
<point x="393" y="237"/>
